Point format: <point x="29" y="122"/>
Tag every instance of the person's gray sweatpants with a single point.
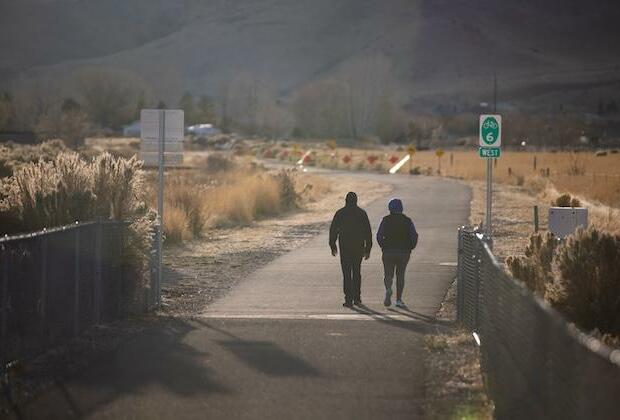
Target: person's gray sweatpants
<point x="395" y="261"/>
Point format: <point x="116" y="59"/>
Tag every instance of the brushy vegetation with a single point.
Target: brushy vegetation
<point x="579" y="277"/>
<point x="210" y="197"/>
<point x="535" y="269"/>
<point x="13" y="156"/>
<point x="565" y="200"/>
<point x="67" y="189"/>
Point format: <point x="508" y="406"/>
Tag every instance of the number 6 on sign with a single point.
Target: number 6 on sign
<point x="490" y="130"/>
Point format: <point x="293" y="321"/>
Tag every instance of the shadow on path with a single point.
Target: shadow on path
<point x="158" y="356"/>
<point x="263" y="356"/>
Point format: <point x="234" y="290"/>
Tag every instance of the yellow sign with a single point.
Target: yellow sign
<point x="411" y="149"/>
<point x="439" y="153"/>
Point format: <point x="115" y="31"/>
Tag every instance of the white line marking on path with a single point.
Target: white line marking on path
<point x="322" y="317"/>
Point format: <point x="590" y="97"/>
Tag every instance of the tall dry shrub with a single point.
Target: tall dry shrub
<point x="58" y="192"/>
<point x="188" y="199"/>
<point x="68" y="189"/>
<point x="176" y="227"/>
<point x="535" y="268"/>
<point x="565" y="200"/>
<point x="289" y="197"/>
<point x="587" y="291"/>
<point x="118" y="185"/>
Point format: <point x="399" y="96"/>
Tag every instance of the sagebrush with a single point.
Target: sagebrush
<point x="579" y="277"/>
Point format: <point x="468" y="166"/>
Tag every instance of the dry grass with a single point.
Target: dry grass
<point x="585" y="174"/>
<point x="176" y="226"/>
<point x="240" y="202"/>
<point x="201" y="199"/>
<point x="69" y="189"/>
<point x="598" y="177"/>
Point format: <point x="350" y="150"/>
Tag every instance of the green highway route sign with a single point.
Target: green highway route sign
<point x="490" y="131"/>
<point x="489" y="152"/>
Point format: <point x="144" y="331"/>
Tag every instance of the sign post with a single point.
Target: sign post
<point x="439" y="153"/>
<point x="411" y="150"/>
<point x="161" y="130"/>
<point x="490" y="140"/>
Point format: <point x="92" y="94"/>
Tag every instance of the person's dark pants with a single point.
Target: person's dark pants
<point x="351" y="276"/>
<point x="395" y="261"/>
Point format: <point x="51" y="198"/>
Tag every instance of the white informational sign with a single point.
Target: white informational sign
<point x="161" y="131"/>
<point x="490" y="131"/>
<point x="154" y="123"/>
<point x="564" y="221"/>
<point x="148" y="146"/>
<point x="170" y="159"/>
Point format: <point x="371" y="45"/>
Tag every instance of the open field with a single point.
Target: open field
<point x="589" y="175"/>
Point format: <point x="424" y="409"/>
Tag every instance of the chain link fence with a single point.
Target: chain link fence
<point x="535" y="365"/>
<point x="56" y="283"/>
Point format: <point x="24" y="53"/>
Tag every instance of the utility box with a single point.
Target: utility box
<point x="564" y="221"/>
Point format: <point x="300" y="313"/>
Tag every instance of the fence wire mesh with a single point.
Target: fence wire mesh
<point x="56" y="283"/>
<point x="534" y="363"/>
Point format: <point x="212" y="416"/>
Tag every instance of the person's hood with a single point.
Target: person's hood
<point x="395" y="206"/>
<point x="351" y="199"/>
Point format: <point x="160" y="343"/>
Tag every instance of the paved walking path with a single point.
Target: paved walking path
<point x="281" y="345"/>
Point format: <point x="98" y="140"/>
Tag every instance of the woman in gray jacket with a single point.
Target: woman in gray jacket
<point x="397" y="237"/>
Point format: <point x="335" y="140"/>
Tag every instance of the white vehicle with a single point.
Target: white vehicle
<point x="202" y="130"/>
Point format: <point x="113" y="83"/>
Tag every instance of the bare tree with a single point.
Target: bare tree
<point x="371" y="85"/>
<point x="249" y="105"/>
<point x="321" y="109"/>
<point x="110" y="96"/>
<point x="66" y="121"/>
<point x="360" y="100"/>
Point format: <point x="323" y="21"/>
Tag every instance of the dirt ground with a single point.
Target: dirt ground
<point x="513" y="216"/>
<point x="455" y="388"/>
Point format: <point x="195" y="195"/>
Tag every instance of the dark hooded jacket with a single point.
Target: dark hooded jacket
<point x="351" y="228"/>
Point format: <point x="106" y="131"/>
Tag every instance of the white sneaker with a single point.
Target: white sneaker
<point x="388" y="297"/>
<point x="400" y="303"/>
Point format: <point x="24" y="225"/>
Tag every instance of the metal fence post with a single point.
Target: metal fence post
<point x="76" y="283"/>
<point x="43" y="283"/>
<point x="4" y="302"/>
<point x="476" y="296"/>
<point x="459" y="277"/>
<point x="123" y="289"/>
<point x="98" y="269"/>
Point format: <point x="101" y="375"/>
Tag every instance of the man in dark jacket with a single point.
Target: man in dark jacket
<point x="351" y="228"/>
<point x="397" y="237"/>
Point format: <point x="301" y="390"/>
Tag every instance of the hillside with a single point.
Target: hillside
<point x="439" y="48"/>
